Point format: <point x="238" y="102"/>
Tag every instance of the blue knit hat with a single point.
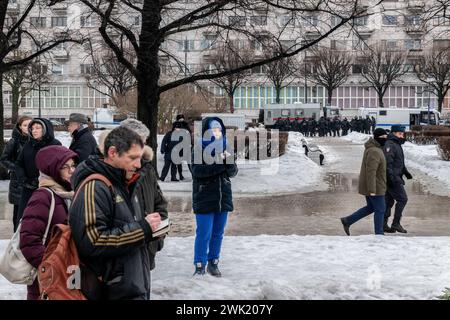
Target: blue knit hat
<point x="398" y="128"/>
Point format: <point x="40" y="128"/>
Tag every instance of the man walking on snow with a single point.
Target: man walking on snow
<point x="395" y="163"/>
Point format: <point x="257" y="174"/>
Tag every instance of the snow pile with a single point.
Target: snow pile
<point x="426" y="159"/>
<point x="300" y="267"/>
<point x="356" y="137"/>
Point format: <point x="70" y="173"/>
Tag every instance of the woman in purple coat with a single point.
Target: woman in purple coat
<point x="56" y="165"/>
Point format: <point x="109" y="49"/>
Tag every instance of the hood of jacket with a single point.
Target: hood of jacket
<point x="206" y="125"/>
<point x="49" y="161"/>
<point x="372" y="143"/>
<point x="17" y="134"/>
<point x="47" y="127"/>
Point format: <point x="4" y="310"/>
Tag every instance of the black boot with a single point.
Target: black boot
<point x="174" y="179"/>
<point x="346" y="226"/>
<point x="386" y="228"/>
<point x="398" y="227"/>
<point x="199" y="269"/>
<point x="181" y="177"/>
<point x="213" y="268"/>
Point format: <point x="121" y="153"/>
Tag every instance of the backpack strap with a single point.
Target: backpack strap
<point x="94" y="176"/>
<point x="50" y="215"/>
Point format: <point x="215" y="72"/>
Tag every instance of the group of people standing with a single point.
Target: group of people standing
<point x="381" y="181"/>
<point x="325" y="127"/>
<point x="110" y="197"/>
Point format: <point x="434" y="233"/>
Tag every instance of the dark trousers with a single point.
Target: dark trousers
<point x="26" y="195"/>
<point x="374" y="204"/>
<point x="173" y="169"/>
<point x="396" y="194"/>
<point x="180" y="170"/>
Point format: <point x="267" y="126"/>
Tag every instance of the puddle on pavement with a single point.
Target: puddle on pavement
<point x="338" y="182"/>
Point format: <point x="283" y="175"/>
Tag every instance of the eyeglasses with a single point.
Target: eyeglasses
<point x="68" y="167"/>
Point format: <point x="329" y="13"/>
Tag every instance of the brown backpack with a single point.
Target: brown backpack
<point x="60" y="274"/>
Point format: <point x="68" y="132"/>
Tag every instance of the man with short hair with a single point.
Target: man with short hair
<point x="110" y="235"/>
<point x="396" y="169"/>
<point x="83" y="142"/>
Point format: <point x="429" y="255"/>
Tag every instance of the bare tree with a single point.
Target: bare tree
<point x="15" y="32"/>
<point x="22" y="80"/>
<point x="229" y="57"/>
<point x="107" y="75"/>
<point x="280" y="72"/>
<point x="330" y="69"/>
<point x="162" y="20"/>
<point x="434" y="70"/>
<point x="382" y="68"/>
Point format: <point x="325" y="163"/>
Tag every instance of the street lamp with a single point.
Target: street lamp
<point x="306" y="85"/>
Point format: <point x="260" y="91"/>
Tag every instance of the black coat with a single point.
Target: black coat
<point x="211" y="185"/>
<point x="111" y="237"/>
<point x="26" y="170"/>
<point x="83" y="144"/>
<point x="167" y="145"/>
<point x="8" y="159"/>
<point x="395" y="160"/>
<point x="147" y="198"/>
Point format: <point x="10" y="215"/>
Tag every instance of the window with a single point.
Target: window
<point x="285" y="112"/>
<point x="186" y="45"/>
<point x="299" y="112"/>
<point x="258" y="20"/>
<point x="390" y="44"/>
<point x="59" y="21"/>
<point x="61" y="46"/>
<point x="390" y="20"/>
<point x="335" y="21"/>
<point x="287" y="44"/>
<point x="238" y="44"/>
<point x="357" y="68"/>
<point x="383" y="113"/>
<point x="413" y="20"/>
<point x="237" y="21"/>
<point x="209" y="42"/>
<point x="310" y="21"/>
<point x="338" y="44"/>
<point x="360" y="44"/>
<point x="58" y="69"/>
<point x="10" y="21"/>
<point x="287" y="21"/>
<point x="134" y="20"/>
<point x="87" y="69"/>
<point x="87" y="22"/>
<point x="441" y="21"/>
<point x="38" y="22"/>
<point x="413" y="44"/>
<point x="361" y="21"/>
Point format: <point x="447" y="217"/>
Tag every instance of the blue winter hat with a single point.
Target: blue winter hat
<point x="398" y="128"/>
<point x="215" y="124"/>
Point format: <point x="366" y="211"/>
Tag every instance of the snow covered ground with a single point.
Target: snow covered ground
<point x="291" y="173"/>
<point x="424" y="158"/>
<point x="300" y="267"/>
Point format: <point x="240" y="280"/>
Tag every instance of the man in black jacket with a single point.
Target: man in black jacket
<point x="83" y="142"/>
<point x="395" y="165"/>
<point x="110" y="235"/>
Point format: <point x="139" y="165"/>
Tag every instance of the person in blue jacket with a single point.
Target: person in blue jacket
<point x="211" y="195"/>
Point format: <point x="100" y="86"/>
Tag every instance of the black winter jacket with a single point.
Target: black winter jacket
<point x="147" y="198"/>
<point x="211" y="185"/>
<point x="111" y="237"/>
<point x="395" y="160"/>
<point x="83" y="144"/>
<point x="8" y="159"/>
<point x="26" y="170"/>
<point x="167" y="145"/>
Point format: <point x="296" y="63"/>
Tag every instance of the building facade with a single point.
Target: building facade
<point x="400" y="26"/>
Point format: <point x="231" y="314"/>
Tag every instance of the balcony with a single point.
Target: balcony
<point x="61" y="55"/>
<point x="311" y="31"/>
<point x="364" y="30"/>
<point x="13" y="9"/>
<point x="416" y="6"/>
<point x="415" y="29"/>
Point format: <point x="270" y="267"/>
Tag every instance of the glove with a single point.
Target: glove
<point x="408" y="176"/>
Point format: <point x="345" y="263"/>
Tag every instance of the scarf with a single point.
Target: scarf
<point x="49" y="182"/>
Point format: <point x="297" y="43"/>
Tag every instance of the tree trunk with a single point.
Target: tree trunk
<point x="277" y="94"/>
<point x="440" y="102"/>
<point x="380" y="100"/>
<point x="231" y="98"/>
<point x="330" y="96"/>
<point x="3" y="171"/>
<point x="149" y="71"/>
<point x="15" y="104"/>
